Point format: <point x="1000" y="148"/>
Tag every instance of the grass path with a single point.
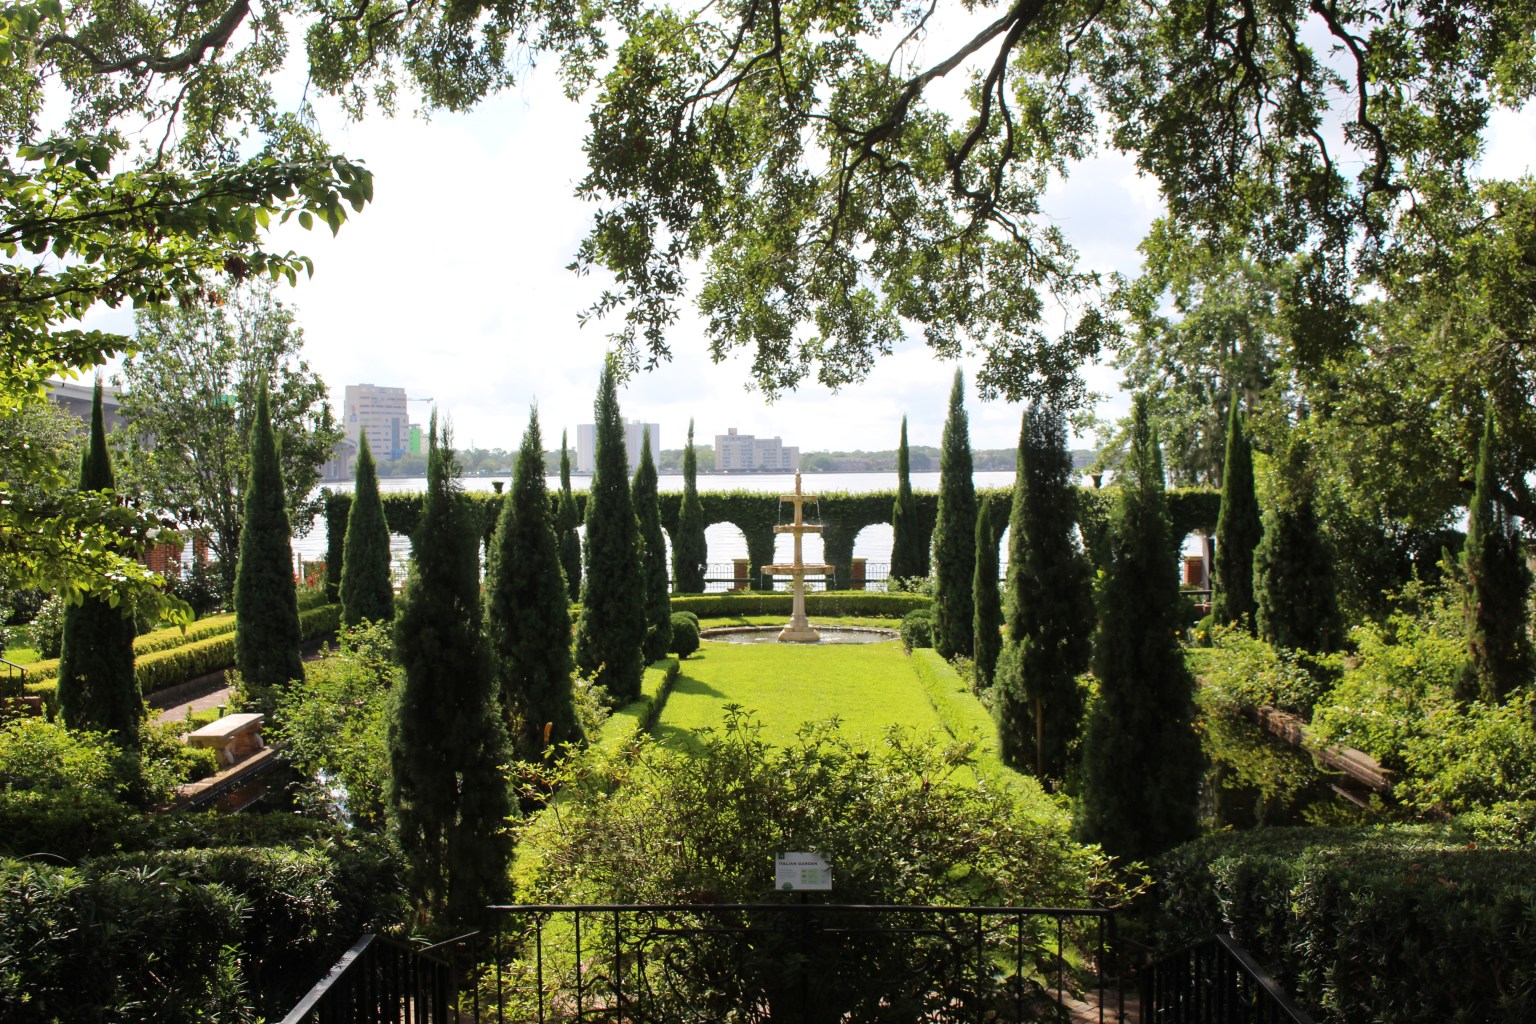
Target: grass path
<point x="868" y="687"/>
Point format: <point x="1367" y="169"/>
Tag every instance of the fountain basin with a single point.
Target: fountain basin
<point x="770" y="635"/>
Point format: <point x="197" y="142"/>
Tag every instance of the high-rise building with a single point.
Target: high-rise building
<point x="586" y="444"/>
<point x="381" y="414"/>
<point x="737" y="452"/>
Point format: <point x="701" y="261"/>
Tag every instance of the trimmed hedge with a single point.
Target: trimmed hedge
<point x="172" y="666"/>
<point x="151" y="643"/>
<point x="1396" y="923"/>
<point x="837" y="603"/>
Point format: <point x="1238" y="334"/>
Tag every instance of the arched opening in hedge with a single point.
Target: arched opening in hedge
<point x="724" y="543"/>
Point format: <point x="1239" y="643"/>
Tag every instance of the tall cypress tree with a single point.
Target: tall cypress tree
<point x="528" y="618"/>
<point x="611" y="633"/>
<point x="689" y="550"/>
<point x="909" y="550"/>
<point x="367" y="592"/>
<point x="954" y="534"/>
<point x="1295" y="592"/>
<point x="1498" y="582"/>
<point x="658" y="596"/>
<point x="1238" y="527"/>
<point x="1141" y="756"/>
<point x="448" y="799"/>
<point x="97" y="687"/>
<point x="984" y="599"/>
<point x="566" y="521"/>
<point x="267" y="638"/>
<point x="1049" y="606"/>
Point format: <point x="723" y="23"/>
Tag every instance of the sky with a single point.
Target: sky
<point x="453" y="284"/>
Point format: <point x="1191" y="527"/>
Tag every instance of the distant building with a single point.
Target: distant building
<point x="381" y="414"/>
<point x="736" y="452"/>
<point x="586" y="444"/>
<point x="76" y="399"/>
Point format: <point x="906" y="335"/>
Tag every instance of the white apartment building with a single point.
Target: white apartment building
<point x="737" y="452"/>
<point x="381" y="414"/>
<point x="586" y="444"/>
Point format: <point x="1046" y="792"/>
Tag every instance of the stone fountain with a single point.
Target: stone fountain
<point x="799" y="631"/>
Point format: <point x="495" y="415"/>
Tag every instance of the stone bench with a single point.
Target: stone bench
<point x="234" y="737"/>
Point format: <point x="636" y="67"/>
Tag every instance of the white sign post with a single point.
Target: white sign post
<point x="802" y="872"/>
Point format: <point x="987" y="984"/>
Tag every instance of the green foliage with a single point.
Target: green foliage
<point x="1498" y="584"/>
<point x="1238" y="529"/>
<point x="985" y="601"/>
<point x="1048" y="611"/>
<point x="1242" y="671"/>
<point x="528" y="617"/>
<point x="267" y="635"/>
<point x="97" y="687"/>
<point x="653" y="567"/>
<point x="448" y="800"/>
<point x="366" y="590"/>
<point x="1141" y="757"/>
<point x="690" y="553"/>
<point x="917" y="628"/>
<point x="48" y="628"/>
<point x="1293" y="580"/>
<point x="1395" y="923"/>
<point x="38" y="755"/>
<point x="909" y="543"/>
<point x="332" y="727"/>
<point x="685" y="634"/>
<point x="611" y="633"/>
<point x="190" y="400"/>
<point x="566" y="521"/>
<point x="954" y="534"/>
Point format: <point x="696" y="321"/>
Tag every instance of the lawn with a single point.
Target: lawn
<point x="867" y="687"/>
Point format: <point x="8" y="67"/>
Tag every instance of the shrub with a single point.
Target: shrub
<point x="838" y="603"/>
<point x="1406" y="924"/>
<point x="917" y="628"/>
<point x="685" y="634"/>
<point x="39" y="755"/>
<point x="48" y="628"/>
<point x="1239" y="670"/>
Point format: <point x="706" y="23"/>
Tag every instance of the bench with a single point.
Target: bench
<point x="233" y="737"/>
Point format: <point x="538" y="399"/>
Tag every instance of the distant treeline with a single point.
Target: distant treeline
<point x="498" y="461"/>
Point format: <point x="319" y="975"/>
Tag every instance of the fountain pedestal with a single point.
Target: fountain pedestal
<point x="799" y="630"/>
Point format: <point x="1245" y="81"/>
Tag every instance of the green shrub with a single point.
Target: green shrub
<point x="685" y="634"/>
<point x="1402" y="924"/>
<point x="48" y="628"/>
<point x="917" y="629"/>
<point x="835" y="603"/>
<point x="1241" y="671"/>
<point x="64" y="826"/>
<point x="39" y="755"/>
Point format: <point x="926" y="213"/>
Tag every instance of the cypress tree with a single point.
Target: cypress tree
<point x="1049" y="606"/>
<point x="1294" y="587"/>
<point x="97" y="688"/>
<point x="909" y="552"/>
<point x="566" y="521"/>
<point x="954" y="534"/>
<point x="1498" y="581"/>
<point x="1141" y="756"/>
<point x="1238" y="528"/>
<point x="689" y="550"/>
<point x="658" y="597"/>
<point x="448" y="799"/>
<point x="267" y="639"/>
<point x="984" y="598"/>
<point x="528" y="620"/>
<point x="367" y="592"/>
<point x="611" y="633"/>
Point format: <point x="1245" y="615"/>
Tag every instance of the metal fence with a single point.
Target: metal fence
<point x="381" y="980"/>
<point x="1216" y="982"/>
<point x="798" y="963"/>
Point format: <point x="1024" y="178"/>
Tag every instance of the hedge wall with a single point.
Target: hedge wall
<point x="1395" y="923"/>
<point x="836" y="603"/>
<point x="842" y="515"/>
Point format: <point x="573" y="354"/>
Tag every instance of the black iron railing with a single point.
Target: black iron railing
<point x="14" y="672"/>
<point x="381" y="980"/>
<point x="1216" y="982"/>
<point x="792" y="962"/>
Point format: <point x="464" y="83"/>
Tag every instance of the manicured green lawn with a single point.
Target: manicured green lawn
<point x="725" y="622"/>
<point x="868" y="687"/>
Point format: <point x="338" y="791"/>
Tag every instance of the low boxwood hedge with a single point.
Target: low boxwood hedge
<point x="838" y="603"/>
<point x="1390" y="923"/>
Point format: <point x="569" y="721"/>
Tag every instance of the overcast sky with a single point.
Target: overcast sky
<point x="452" y="284"/>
